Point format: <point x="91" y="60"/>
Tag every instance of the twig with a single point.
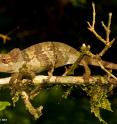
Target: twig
<point x="107" y="28"/>
<point x="110" y="74"/>
<point x="106" y="48"/>
<point x="70" y="70"/>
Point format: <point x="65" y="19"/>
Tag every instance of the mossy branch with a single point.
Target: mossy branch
<point x="73" y="80"/>
<point x="36" y="112"/>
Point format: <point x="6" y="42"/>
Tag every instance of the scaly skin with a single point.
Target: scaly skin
<point x="44" y="56"/>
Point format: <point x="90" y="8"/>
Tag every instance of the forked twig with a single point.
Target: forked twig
<point x="5" y="37"/>
<point x="106" y="41"/>
<point x="107" y="28"/>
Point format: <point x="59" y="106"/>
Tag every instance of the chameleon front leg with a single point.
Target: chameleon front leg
<point x="20" y="84"/>
<point x="51" y="70"/>
<point x="21" y="81"/>
<point x="13" y="83"/>
<point x="36" y="91"/>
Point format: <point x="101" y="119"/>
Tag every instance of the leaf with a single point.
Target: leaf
<point x="3" y="105"/>
<point x="78" y="3"/>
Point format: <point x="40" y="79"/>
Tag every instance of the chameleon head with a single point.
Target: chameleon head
<point x="10" y="62"/>
<point x="5" y="61"/>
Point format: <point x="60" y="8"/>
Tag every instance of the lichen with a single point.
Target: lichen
<point x="98" y="98"/>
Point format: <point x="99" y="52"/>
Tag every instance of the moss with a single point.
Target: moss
<point x="98" y="98"/>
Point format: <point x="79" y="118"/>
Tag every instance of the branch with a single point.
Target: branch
<point x="74" y="80"/>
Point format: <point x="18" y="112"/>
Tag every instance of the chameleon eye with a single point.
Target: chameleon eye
<point x="5" y="60"/>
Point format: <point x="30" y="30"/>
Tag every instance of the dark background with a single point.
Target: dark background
<point x="29" y="22"/>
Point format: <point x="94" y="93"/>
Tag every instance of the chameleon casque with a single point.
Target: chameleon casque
<point x="44" y="56"/>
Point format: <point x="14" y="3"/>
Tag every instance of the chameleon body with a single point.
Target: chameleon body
<point x="44" y="56"/>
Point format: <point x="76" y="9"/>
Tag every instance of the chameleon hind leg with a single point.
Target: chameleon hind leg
<point x="87" y="70"/>
<point x="70" y="70"/>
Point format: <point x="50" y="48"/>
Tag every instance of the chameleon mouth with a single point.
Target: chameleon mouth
<point x="5" y="68"/>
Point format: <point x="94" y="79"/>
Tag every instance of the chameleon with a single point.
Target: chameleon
<point x="45" y="56"/>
